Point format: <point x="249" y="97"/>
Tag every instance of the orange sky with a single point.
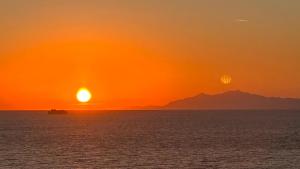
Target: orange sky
<point x="137" y="53"/>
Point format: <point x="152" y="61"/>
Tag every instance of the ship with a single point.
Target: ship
<point x="58" y="112"/>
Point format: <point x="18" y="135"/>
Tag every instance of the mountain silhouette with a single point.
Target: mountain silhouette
<point x="234" y="100"/>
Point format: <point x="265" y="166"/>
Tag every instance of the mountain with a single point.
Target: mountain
<point x="234" y="100"/>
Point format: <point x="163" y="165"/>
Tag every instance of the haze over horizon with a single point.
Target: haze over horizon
<point x="139" y="53"/>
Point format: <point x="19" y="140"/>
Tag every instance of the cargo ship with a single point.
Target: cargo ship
<point x="54" y="111"/>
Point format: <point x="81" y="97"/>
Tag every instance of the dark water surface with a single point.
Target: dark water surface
<point x="151" y="139"/>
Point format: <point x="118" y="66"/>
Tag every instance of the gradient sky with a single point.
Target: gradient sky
<point x="138" y="52"/>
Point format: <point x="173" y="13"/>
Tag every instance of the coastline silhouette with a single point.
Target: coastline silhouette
<point x="234" y="100"/>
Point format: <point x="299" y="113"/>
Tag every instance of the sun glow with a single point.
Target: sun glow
<point x="83" y="95"/>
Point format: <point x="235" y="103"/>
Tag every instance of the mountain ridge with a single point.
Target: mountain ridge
<point x="234" y="99"/>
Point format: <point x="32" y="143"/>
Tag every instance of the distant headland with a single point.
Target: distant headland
<point x="234" y="100"/>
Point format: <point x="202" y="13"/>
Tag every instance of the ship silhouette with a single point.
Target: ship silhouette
<point x="57" y="112"/>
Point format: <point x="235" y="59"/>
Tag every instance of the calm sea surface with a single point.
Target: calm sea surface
<point x="151" y="139"/>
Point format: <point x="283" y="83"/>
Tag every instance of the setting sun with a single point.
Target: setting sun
<point x="83" y="95"/>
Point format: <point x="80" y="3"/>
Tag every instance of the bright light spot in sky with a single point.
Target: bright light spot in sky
<point x="83" y="95"/>
<point x="226" y="79"/>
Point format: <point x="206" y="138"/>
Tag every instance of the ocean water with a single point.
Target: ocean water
<point x="151" y="139"/>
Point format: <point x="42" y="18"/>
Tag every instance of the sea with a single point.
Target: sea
<point x="239" y="139"/>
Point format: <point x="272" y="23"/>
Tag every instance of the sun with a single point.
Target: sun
<point x="83" y="95"/>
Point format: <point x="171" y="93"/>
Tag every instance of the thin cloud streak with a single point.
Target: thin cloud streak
<point x="241" y="20"/>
